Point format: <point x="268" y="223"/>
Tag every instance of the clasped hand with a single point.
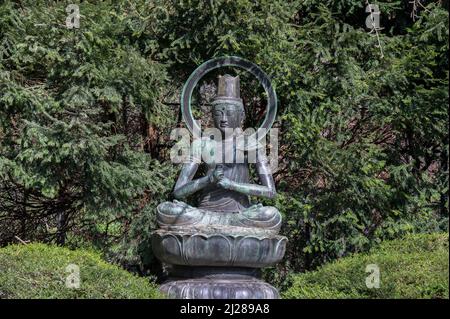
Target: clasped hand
<point x="217" y="177"/>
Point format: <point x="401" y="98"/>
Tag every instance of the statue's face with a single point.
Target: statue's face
<point x="227" y="116"/>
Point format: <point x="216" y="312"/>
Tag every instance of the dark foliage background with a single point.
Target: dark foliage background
<point x="85" y="118"/>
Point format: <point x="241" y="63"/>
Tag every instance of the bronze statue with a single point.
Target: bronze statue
<point x="223" y="193"/>
<point x="215" y="246"/>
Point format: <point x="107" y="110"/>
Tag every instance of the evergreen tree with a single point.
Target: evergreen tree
<point x="86" y="113"/>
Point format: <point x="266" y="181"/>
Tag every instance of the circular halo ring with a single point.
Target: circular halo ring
<point x="194" y="78"/>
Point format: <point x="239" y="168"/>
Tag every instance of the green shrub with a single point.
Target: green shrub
<point x="416" y="266"/>
<point x="39" y="271"/>
<point x="86" y="116"/>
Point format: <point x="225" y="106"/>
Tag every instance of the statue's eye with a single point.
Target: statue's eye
<point x="217" y="113"/>
<point x="230" y="112"/>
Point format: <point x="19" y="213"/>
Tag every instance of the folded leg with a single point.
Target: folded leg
<point x="259" y="216"/>
<point x="177" y="213"/>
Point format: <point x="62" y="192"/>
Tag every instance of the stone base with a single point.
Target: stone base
<point x="219" y="289"/>
<point x="217" y="249"/>
<point x="217" y="265"/>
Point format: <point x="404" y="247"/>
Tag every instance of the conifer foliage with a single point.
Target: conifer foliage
<point x="86" y="113"/>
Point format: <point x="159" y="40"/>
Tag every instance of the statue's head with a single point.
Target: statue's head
<point x="228" y="109"/>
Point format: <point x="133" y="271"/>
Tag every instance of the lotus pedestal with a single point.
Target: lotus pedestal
<point x="205" y="265"/>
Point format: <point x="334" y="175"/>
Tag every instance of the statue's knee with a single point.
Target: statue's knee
<point x="177" y="214"/>
<point x="170" y="208"/>
<point x="269" y="213"/>
<point x="262" y="213"/>
<point x="262" y="217"/>
<point x="164" y="208"/>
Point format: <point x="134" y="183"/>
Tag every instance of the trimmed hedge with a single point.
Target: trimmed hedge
<point x="416" y="266"/>
<point x="39" y="271"/>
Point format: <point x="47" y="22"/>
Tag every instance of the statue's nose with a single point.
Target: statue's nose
<point x="223" y="118"/>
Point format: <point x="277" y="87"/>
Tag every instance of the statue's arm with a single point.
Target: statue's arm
<point x="267" y="189"/>
<point x="185" y="186"/>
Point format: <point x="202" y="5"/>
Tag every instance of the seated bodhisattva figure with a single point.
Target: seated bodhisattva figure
<point x="223" y="193"/>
